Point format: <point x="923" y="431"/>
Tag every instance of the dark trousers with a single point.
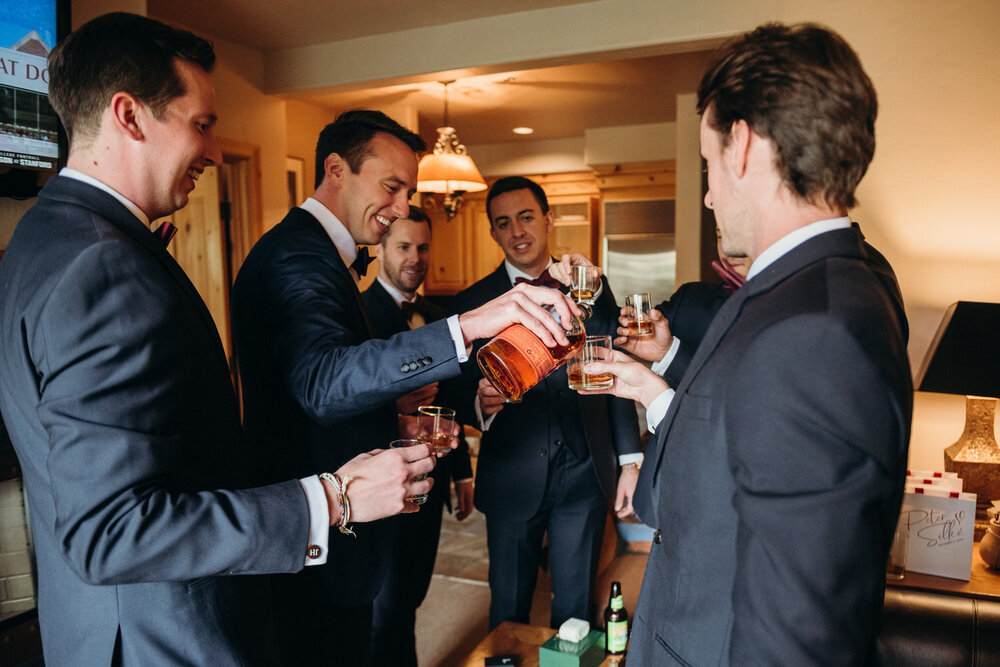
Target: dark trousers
<point x="573" y="514"/>
<point x="406" y="581"/>
<point x="324" y="635"/>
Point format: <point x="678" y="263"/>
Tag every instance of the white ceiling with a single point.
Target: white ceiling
<point x="558" y="101"/>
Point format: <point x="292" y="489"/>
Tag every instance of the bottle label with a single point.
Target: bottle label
<point x="534" y="350"/>
<point x="616" y="602"/>
<point x="617" y="636"/>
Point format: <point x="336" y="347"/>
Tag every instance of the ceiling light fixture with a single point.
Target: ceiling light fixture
<point x="449" y="169"/>
<point x="523" y="130"/>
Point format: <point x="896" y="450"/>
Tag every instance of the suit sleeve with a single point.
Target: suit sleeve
<point x="813" y="448"/>
<point x="317" y="335"/>
<point x="125" y="504"/>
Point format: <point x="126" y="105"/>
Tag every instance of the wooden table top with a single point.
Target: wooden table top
<point x="983" y="584"/>
<point x="519" y="640"/>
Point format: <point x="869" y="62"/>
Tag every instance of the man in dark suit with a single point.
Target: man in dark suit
<point x="393" y="306"/>
<point x="319" y="386"/>
<point x="117" y="393"/>
<point x="777" y="471"/>
<point x="547" y="464"/>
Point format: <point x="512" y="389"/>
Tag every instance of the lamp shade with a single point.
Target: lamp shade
<point x="964" y="357"/>
<point x="449" y="173"/>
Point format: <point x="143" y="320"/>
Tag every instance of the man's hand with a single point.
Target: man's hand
<point x="632" y="379"/>
<point x="463" y="492"/>
<point x="562" y="272"/>
<point x="649" y="348"/>
<point x="491" y="401"/>
<point x="380" y="483"/>
<point x="626" y="490"/>
<point x="408" y="403"/>
<point x="521" y="305"/>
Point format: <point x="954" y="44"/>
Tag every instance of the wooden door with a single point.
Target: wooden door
<point x="200" y="248"/>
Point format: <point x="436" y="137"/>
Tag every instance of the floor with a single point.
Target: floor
<point x="455" y="614"/>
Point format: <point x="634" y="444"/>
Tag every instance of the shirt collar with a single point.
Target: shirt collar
<point x="334" y="228"/>
<point x="398" y="296"/>
<point x="514" y="273"/>
<point x="90" y="180"/>
<point x="794" y="239"/>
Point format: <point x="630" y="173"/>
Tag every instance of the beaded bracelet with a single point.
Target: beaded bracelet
<point x="342" y="501"/>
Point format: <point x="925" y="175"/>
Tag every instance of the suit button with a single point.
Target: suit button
<point x="657" y="538"/>
<point x="426" y="361"/>
<point x="313" y="552"/>
<point x="541" y="452"/>
<point x="557" y="443"/>
<point x="413" y="366"/>
<point x="404" y="368"/>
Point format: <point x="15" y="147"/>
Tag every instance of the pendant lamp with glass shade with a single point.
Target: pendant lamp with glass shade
<point x="449" y="169"/>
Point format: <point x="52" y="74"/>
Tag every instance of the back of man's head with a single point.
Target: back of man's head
<point x="511" y="184"/>
<point x="114" y="53"/>
<point x="803" y="88"/>
<point x="349" y="136"/>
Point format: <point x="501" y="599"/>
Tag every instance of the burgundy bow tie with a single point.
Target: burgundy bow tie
<point x="165" y="232"/>
<point x="361" y="262"/>
<point x="543" y="280"/>
<point x="418" y="305"/>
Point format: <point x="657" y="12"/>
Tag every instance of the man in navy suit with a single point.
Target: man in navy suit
<point x="548" y="464"/>
<point x="116" y="390"/>
<point x="393" y="306"/>
<point x="318" y="384"/>
<point x="777" y="472"/>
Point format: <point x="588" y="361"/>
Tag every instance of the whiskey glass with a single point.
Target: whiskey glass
<point x="595" y="348"/>
<point x="435" y="426"/>
<point x="637" y="311"/>
<point x="421" y="498"/>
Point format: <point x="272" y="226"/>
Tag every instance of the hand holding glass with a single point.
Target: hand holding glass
<point x="435" y="427"/>
<point x="595" y="348"/>
<point x="410" y="442"/>
<point x="638" y="308"/>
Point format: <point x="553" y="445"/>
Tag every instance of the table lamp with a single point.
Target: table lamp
<point x="964" y="359"/>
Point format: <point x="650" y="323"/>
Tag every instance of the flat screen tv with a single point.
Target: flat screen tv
<point x="32" y="144"/>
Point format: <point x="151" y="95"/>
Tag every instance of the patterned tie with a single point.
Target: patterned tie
<point x="544" y="280"/>
<point x="360" y="263"/>
<point x="165" y="232"/>
<point x="418" y="305"/>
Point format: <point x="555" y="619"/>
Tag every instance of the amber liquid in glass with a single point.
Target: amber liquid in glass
<point x="579" y="380"/>
<point x="640" y="328"/>
<point x="438" y="442"/>
<point x="581" y="294"/>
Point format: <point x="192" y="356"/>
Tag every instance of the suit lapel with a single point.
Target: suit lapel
<point x="110" y="209"/>
<point x="836" y="243"/>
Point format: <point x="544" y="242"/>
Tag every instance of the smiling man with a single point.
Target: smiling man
<point x="561" y="450"/>
<point x="319" y="387"/>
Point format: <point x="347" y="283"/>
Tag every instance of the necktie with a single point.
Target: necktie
<point x="418" y="305"/>
<point x="360" y="263"/>
<point x="731" y="281"/>
<point x="165" y="232"/>
<point x="544" y="280"/>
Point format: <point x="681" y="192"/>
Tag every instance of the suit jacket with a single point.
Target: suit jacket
<point x="778" y="471"/>
<point x="515" y="451"/>
<point x="387" y="319"/>
<point x="318" y="388"/>
<point x="119" y="402"/>
<point x="689" y="311"/>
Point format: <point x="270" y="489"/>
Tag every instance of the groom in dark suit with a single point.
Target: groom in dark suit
<point x="547" y="465"/>
<point x="117" y="394"/>
<point x="318" y="384"/>
<point x="393" y="306"/>
<point x="777" y="471"/>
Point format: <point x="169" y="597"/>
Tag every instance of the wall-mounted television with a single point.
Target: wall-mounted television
<point x="32" y="144"/>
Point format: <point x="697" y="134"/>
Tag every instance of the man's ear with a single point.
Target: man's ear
<point x="128" y="114"/>
<point x="334" y="167"/>
<point x="740" y="136"/>
<point x="550" y="220"/>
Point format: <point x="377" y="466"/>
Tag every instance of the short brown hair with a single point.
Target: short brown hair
<point x="350" y="135"/>
<point x="120" y="52"/>
<point x="803" y="88"/>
